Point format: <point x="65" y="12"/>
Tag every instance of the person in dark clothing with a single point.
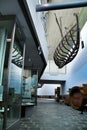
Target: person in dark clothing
<point x="83" y="106"/>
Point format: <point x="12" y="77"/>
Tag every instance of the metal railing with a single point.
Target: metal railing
<point x="68" y="48"/>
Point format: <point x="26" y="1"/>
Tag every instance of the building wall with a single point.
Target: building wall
<point x="36" y="16"/>
<point x="76" y="73"/>
<point x="77" y="69"/>
<point x="52" y="72"/>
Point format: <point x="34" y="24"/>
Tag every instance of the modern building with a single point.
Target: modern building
<point x="37" y="37"/>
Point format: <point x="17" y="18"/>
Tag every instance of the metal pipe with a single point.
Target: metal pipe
<point x="61" y="5"/>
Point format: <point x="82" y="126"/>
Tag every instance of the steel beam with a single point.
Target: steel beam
<point x="61" y="5"/>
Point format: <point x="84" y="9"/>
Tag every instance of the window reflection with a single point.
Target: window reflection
<point x="29" y="88"/>
<point x="14" y="94"/>
<point x="2" y="56"/>
<point x="15" y="83"/>
<point x="11" y="66"/>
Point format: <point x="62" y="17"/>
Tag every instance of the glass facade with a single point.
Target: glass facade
<point x="29" y="88"/>
<point x="15" y="83"/>
<point x="11" y="66"/>
<point x="2" y="55"/>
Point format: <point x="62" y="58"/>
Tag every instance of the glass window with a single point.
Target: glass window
<point x="14" y="102"/>
<point x="15" y="81"/>
<point x="2" y="56"/>
<point x="29" y="88"/>
<point x="11" y="65"/>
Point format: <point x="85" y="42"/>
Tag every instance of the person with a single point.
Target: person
<point x="76" y="98"/>
<point x="83" y="106"/>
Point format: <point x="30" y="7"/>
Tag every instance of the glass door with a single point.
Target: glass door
<point x="2" y="57"/>
<point x="11" y="65"/>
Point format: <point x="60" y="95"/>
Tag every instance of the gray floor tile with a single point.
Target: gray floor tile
<point x="53" y="116"/>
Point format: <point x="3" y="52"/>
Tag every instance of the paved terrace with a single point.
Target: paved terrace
<point x="49" y="115"/>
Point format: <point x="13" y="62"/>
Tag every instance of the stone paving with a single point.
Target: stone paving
<point x="49" y="115"/>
